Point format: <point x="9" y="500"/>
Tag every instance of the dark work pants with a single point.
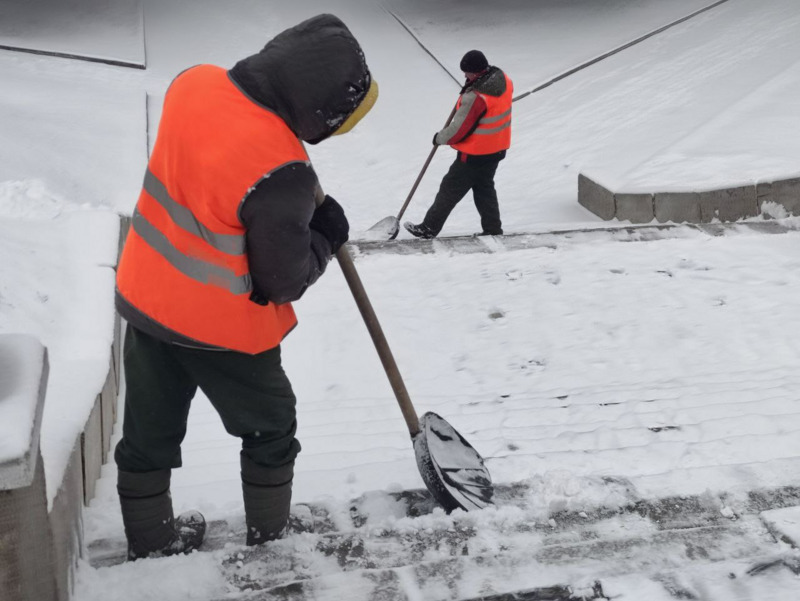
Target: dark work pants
<point x="477" y="176"/>
<point x="251" y="393"/>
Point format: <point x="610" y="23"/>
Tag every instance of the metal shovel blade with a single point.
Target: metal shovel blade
<point x="453" y="471"/>
<point x="385" y="229"/>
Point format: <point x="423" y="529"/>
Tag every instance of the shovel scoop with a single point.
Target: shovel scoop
<point x="453" y="471"/>
<point x="386" y="229"/>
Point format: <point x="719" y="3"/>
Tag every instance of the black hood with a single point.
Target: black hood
<point x="493" y="83"/>
<point x="314" y="76"/>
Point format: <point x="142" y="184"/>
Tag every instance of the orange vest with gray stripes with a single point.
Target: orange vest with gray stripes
<point x="493" y="133"/>
<point x="184" y="264"/>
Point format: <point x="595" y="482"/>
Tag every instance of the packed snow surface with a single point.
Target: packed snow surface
<point x="102" y="29"/>
<point x="668" y="363"/>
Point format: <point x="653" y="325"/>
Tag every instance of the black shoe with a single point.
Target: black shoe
<point x="497" y="233"/>
<point x="420" y="231"/>
<point x="191" y="529"/>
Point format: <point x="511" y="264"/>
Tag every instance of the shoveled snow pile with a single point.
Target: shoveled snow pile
<point x="57" y="284"/>
<point x="29" y="199"/>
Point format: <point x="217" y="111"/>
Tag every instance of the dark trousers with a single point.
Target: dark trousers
<point x="476" y="174"/>
<point x="251" y="393"/>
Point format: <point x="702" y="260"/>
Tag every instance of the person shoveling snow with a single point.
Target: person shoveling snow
<point x="481" y="133"/>
<point x="226" y="234"/>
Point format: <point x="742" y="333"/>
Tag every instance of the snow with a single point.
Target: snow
<point x="92" y="28"/>
<point x="29" y="199"/>
<point x="538" y="40"/>
<point x="79" y="136"/>
<point x="595" y="372"/>
<point x="784" y="524"/>
<point x="57" y="284"/>
<point x="191" y="578"/>
<point x="668" y="365"/>
<point x="633" y="587"/>
<point x="21" y="367"/>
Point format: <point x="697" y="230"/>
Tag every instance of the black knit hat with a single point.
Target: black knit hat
<point x="474" y="61"/>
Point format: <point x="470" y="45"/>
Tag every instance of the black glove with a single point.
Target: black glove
<point x="435" y="143"/>
<point x="330" y="221"/>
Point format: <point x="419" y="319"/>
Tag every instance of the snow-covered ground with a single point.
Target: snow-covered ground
<point x="101" y="29"/>
<point x="535" y="41"/>
<point x="708" y="101"/>
<point x="669" y="365"/>
<point x="596" y="373"/>
<point x="557" y="366"/>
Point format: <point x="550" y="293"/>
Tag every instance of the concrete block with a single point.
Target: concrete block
<point x="108" y="400"/>
<point x="636" y="208"/>
<point x="24" y="371"/>
<point x="784" y="192"/>
<point x="596" y="198"/>
<point x="124" y="228"/>
<point x="66" y="524"/>
<point x="729" y="204"/>
<point x="92" y="451"/>
<point x="116" y="353"/>
<point x="679" y="207"/>
<point x="27" y="569"/>
<point x="461" y="245"/>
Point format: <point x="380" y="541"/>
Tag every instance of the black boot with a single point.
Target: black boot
<point x="494" y="233"/>
<point x="150" y="525"/>
<point x="420" y="231"/>
<point x="267" y="500"/>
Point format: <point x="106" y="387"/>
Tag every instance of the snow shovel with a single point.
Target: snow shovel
<point x="388" y="227"/>
<point x="452" y="470"/>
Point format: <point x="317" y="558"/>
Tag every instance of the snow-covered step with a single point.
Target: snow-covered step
<point x="512" y="241"/>
<point x="385" y="536"/>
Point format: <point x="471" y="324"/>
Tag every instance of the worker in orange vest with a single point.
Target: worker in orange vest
<point x="225" y="235"/>
<point x="481" y="133"/>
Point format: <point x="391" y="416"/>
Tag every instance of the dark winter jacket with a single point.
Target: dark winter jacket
<point x="313" y="76"/>
<point x="473" y="107"/>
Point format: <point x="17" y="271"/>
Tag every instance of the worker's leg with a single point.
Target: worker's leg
<point x="454" y="187"/>
<point x="485" y="195"/>
<point x="256" y="403"/>
<point x="158" y="394"/>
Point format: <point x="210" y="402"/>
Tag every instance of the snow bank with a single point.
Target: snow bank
<point x="82" y="137"/>
<point x="57" y="284"/>
<point x="22" y="368"/>
<point x="29" y="199"/>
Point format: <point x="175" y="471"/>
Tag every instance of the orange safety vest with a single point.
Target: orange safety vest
<point x="184" y="264"/>
<point x="494" y="129"/>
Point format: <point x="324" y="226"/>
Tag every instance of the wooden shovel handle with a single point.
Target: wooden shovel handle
<point x="376" y="332"/>
<point x="424" y="169"/>
<point x="379" y="340"/>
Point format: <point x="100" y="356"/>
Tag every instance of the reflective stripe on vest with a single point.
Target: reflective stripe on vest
<point x="493" y="133"/>
<point x="183" y="217"/>
<point x="185" y="263"/>
<point x="203" y="272"/>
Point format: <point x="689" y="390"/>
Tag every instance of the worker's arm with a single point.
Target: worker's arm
<point x="289" y="242"/>
<point x="465" y="121"/>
